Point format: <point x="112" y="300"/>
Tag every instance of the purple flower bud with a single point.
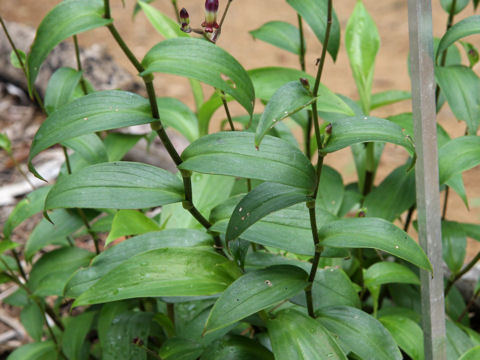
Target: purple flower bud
<point x="211" y="11"/>
<point x="328" y="129"/>
<point x="185" y="19"/>
<point x="305" y="83"/>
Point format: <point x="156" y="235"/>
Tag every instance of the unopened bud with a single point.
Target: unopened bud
<point x="328" y="129"/>
<point x="185" y="19"/>
<point x="305" y="83"/>
<point x="137" y="341"/>
<point x="211" y="11"/>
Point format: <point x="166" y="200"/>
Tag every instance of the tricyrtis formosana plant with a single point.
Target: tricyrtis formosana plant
<point x="259" y="251"/>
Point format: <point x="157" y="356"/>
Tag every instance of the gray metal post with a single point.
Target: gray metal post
<point x="428" y="197"/>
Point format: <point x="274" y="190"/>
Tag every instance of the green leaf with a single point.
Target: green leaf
<point x="331" y="190"/>
<point x="203" y="61"/>
<point x="126" y="327"/>
<point x="6" y="245"/>
<point x="68" y="18"/>
<point x="45" y="233"/>
<point x="165" y="26"/>
<point x="461" y="87"/>
<point x="50" y="274"/>
<point x="360" y="333"/>
<point x="472" y="231"/>
<point x="459" y="5"/>
<point x="289" y="99"/>
<point x="118" y="144"/>
<point x="456" y="183"/>
<point x="382" y="273"/>
<point x="296" y="336"/>
<point x="288" y="229"/>
<point x="261" y="201"/>
<point x="471" y="354"/>
<point x="90" y="147"/>
<point x="75" y="333"/>
<point x="454" y="241"/>
<point x="458" y="341"/>
<point x="280" y="34"/>
<point x="14" y="58"/>
<point x="388" y="97"/>
<point x="177" y="115"/>
<point x="33" y="320"/>
<point x="95" y="112"/>
<point x="457" y="156"/>
<point x="162" y="272"/>
<point x="45" y="350"/>
<point x="406" y="333"/>
<point x="117" y="185"/>
<point x="315" y="14"/>
<point x="362" y="42"/>
<point x="108" y="312"/>
<point x="255" y="291"/>
<point x="234" y="154"/>
<point x="5" y="143"/>
<point x="60" y="88"/>
<point x="393" y="196"/>
<point x="373" y="233"/>
<point x="354" y="130"/>
<point x="130" y="222"/>
<point x="472" y="53"/>
<point x="234" y="347"/>
<point x="465" y="27"/>
<point x="180" y="349"/>
<point x="116" y="255"/>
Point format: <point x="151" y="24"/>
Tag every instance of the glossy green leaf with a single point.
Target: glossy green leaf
<point x="60" y="88"/>
<point x="261" y="259"/>
<point x="359" y="333"/>
<point x="471" y="354"/>
<point x="362" y="42"/>
<point x="236" y="347"/>
<point x="256" y="291"/>
<point x="456" y="184"/>
<point x="35" y="351"/>
<point x="162" y="272"/>
<point x="32" y="204"/>
<point x="6" y="245"/>
<point x="459" y="5"/>
<point x="280" y="34"/>
<point x="455" y="304"/>
<point x="107" y="313"/>
<point x="454" y="245"/>
<point x="465" y="27"/>
<point x="116" y="255"/>
<point x="45" y="233"/>
<point x="75" y="333"/>
<point x="180" y="349"/>
<point x="68" y="18"/>
<point x="14" y="58"/>
<point x="461" y="87"/>
<point x="118" y="144"/>
<point x="296" y="336"/>
<point x="33" y="320"/>
<point x="288" y="229"/>
<point x="50" y="274"/>
<point x="117" y="185"/>
<point x="472" y="230"/>
<point x="457" y="156"/>
<point x="90" y="147"/>
<point x="458" y="341"/>
<point x="373" y="233"/>
<point x="98" y="111"/>
<point x="388" y="97"/>
<point x="165" y="26"/>
<point x="331" y="190"/>
<point x="177" y="115"/>
<point x="382" y="273"/>
<point x="126" y="327"/>
<point x="130" y="222"/>
<point x="393" y="196"/>
<point x="258" y="203"/>
<point x="354" y="130"/>
<point x="205" y="62"/>
<point x="315" y="14"/>
<point x="406" y="333"/>
<point x="234" y="154"/>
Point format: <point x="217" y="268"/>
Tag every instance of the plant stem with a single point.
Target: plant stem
<point x="302" y="43"/>
<point x="67" y="159"/>
<point x="83" y="84"/>
<point x="445" y="203"/>
<point x="466" y="269"/>
<point x="19" y="264"/>
<point x="408" y="220"/>
<point x="224" y="14"/>
<point x="157" y="126"/>
<point x="227" y="111"/>
<point x="92" y="233"/>
<point x="469" y="305"/>
<point x="175" y="8"/>
<point x="171" y="312"/>
<point x="312" y="204"/>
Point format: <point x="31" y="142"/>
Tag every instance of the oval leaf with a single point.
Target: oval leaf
<point x="130" y="222"/>
<point x="407" y="334"/>
<point x="468" y="26"/>
<point x="165" y="26"/>
<point x="360" y="333"/>
<point x="98" y="111"/>
<point x="255" y="291"/>
<point x="261" y="201"/>
<point x="68" y="18"/>
<point x="388" y="272"/>
<point x="234" y="154"/>
<point x="162" y="272"/>
<point x="374" y="233"/>
<point x="60" y="88"/>
<point x="296" y="336"/>
<point x="280" y="34"/>
<point x="359" y="129"/>
<point x="117" y="185"/>
<point x="201" y="60"/>
<point x="457" y="156"/>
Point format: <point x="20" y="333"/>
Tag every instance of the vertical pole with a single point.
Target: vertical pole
<point x="427" y="179"/>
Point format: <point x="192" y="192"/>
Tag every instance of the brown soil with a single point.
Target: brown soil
<point x="245" y="15"/>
